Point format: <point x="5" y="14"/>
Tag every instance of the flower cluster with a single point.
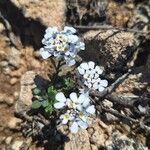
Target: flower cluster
<point x="90" y="74"/>
<point x="61" y="44"/>
<point x="78" y="110"/>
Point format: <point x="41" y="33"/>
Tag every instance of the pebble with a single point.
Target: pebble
<point x="13" y="81"/>
<point x="107" y="103"/>
<point x="8" y="140"/>
<point x="12" y="124"/>
<point x="3" y="63"/>
<point x="17" y="145"/>
<point x="9" y="100"/>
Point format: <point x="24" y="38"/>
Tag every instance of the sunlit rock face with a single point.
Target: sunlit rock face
<point x="48" y="12"/>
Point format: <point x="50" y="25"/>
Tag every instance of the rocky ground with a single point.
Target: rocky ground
<point x="20" y="40"/>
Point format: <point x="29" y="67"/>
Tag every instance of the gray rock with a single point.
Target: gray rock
<point x="118" y="141"/>
<point x="25" y="98"/>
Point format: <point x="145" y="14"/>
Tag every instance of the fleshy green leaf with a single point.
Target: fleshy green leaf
<point x="45" y="103"/>
<point x="49" y="109"/>
<point x="36" y="104"/>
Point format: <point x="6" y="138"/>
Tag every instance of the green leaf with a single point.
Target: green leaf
<point x="36" y="104"/>
<point x="36" y="91"/>
<point x="49" y="109"/>
<point x="45" y="103"/>
<point x="51" y="92"/>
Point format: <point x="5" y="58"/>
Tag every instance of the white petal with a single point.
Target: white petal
<point x="82" y="98"/>
<point x="101" y="88"/>
<point x="74" y="127"/>
<point x="85" y="75"/>
<point x="84" y="66"/>
<point x="60" y="97"/>
<point x="79" y="107"/>
<point x="91" y="109"/>
<point x="91" y="64"/>
<point x="99" y="70"/>
<point x="72" y="38"/>
<point x="45" y="54"/>
<point x="64" y="121"/>
<point x="82" y="124"/>
<point x="73" y="97"/>
<point x="83" y="118"/>
<point x="51" y="30"/>
<point x="71" y="62"/>
<point x="86" y="102"/>
<point x="81" y="70"/>
<point x="95" y="86"/>
<point x="104" y="83"/>
<point x="69" y="29"/>
<point x="80" y="45"/>
<point x="89" y="85"/>
<point x="59" y="105"/>
<point x="96" y="75"/>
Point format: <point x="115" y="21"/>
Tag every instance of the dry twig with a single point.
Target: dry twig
<point x="111" y="28"/>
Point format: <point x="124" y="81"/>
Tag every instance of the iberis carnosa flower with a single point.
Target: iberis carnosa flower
<point x="90" y="76"/>
<point x="78" y="110"/>
<point x="61" y="44"/>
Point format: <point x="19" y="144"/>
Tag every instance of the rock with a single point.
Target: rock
<point x="113" y="15"/>
<point x="79" y="141"/>
<point x="10" y="100"/>
<point x="2" y="28"/>
<point x="25" y="98"/>
<point x="121" y="141"/>
<point x="132" y="83"/>
<point x="111" y="117"/>
<point x="17" y="145"/>
<point x="14" y="57"/>
<point x="52" y="13"/>
<point x="4" y="63"/>
<point x="93" y="147"/>
<point x="8" y="140"/>
<point x="108" y="48"/>
<point x="13" y="122"/>
<point x="99" y="134"/>
<point x="107" y="103"/>
<point x="13" y="81"/>
<point x="4" y="98"/>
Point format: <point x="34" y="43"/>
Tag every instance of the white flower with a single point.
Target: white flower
<point x="68" y="116"/>
<point x="100" y="84"/>
<point x="75" y="126"/>
<point x="61" y="100"/>
<point x="78" y="102"/>
<point x="61" y="44"/>
<point x="91" y="76"/>
<point x="78" y="110"/>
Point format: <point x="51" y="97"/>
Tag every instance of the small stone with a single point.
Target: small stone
<point x="94" y="147"/>
<point x="7" y="70"/>
<point x="107" y="103"/>
<point x="9" y="100"/>
<point x="12" y="124"/>
<point x="3" y="63"/>
<point x="111" y="117"/>
<point x="142" y="109"/>
<point x="8" y="140"/>
<point x="16" y="95"/>
<point x="13" y="81"/>
<point x="17" y="145"/>
<point x="2" y="27"/>
<point x="14" y="57"/>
